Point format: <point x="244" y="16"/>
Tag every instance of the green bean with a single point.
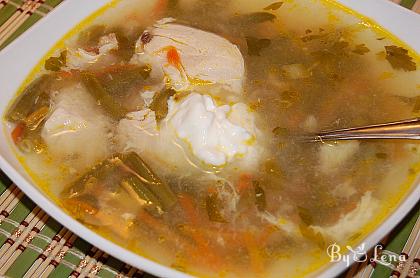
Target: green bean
<point x="213" y="208"/>
<point x="97" y="173"/>
<point x="33" y="97"/>
<point x="136" y="188"/>
<point x="160" y="103"/>
<point x="94" y="87"/>
<point x="131" y="172"/>
<point x="31" y="142"/>
<point x="33" y="121"/>
<point x="259" y="196"/>
<point x="126" y="44"/>
<point x="160" y="189"/>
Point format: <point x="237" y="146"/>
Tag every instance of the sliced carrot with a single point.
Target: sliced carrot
<point x="194" y="252"/>
<point x="17" y="133"/>
<point x="154" y="223"/>
<point x="244" y="183"/>
<point x="187" y="203"/>
<point x="79" y="208"/>
<point x="265" y="234"/>
<point x="212" y="190"/>
<point x="173" y="57"/>
<point x="255" y="257"/>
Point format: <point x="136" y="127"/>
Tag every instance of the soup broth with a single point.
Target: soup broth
<point x="173" y="127"/>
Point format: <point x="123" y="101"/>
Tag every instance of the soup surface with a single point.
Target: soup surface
<point x="173" y="127"/>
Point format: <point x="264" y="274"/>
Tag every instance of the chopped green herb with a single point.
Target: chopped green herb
<point x="311" y="37"/>
<point x="255" y="45"/>
<point x="305" y="215"/>
<point x="360" y="49"/>
<point x="272" y="167"/>
<point x="416" y="108"/>
<point x="381" y="155"/>
<point x="160" y="103"/>
<point x="280" y="131"/>
<point x="126" y="44"/>
<point x="56" y="63"/>
<point x="213" y="208"/>
<point x="399" y="59"/>
<point x="274" y="6"/>
<point x="90" y="36"/>
<point x="288" y="98"/>
<point x="259" y="196"/>
<point x="339" y="46"/>
<point x="254" y="18"/>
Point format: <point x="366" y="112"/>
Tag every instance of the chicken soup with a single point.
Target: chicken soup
<point x="172" y="127"/>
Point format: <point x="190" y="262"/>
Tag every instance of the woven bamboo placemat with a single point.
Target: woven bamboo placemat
<point x="32" y="244"/>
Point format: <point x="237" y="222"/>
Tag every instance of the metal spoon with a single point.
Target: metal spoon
<point x="406" y="129"/>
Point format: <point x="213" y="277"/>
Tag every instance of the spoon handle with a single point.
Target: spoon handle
<point x="406" y="129"/>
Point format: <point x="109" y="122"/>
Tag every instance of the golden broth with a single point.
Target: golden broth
<point x="310" y="66"/>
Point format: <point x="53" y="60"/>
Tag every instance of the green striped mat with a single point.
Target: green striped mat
<point x="32" y="244"/>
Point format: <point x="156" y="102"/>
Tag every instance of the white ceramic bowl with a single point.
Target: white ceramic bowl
<point x="17" y="61"/>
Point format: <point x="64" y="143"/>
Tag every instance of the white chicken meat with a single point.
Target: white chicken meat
<point x="190" y="57"/>
<point x="352" y="221"/>
<point x="76" y="129"/>
<point x="81" y="59"/>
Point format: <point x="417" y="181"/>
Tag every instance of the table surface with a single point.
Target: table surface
<point x="32" y="244"/>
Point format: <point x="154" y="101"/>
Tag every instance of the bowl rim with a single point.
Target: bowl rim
<point x="70" y="13"/>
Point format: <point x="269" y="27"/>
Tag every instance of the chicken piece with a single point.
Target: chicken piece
<point x="333" y="156"/>
<point x="139" y="132"/>
<point x="352" y="221"/>
<point x="77" y="130"/>
<point x="190" y="57"/>
<point x="195" y="132"/>
<point x="81" y="58"/>
<point x="137" y="129"/>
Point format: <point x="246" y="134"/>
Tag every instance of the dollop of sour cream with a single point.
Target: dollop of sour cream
<point x="206" y="127"/>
